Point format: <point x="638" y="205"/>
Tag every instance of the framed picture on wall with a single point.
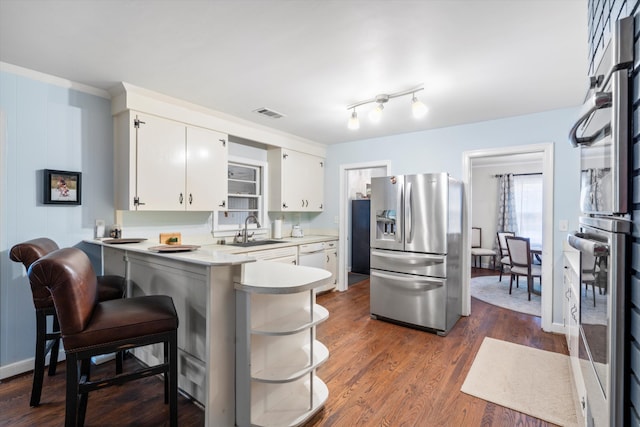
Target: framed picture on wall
<point x="62" y="187"/>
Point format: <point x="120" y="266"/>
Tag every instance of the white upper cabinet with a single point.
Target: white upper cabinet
<point x="164" y="165"/>
<point x="296" y="181"/>
<point x="207" y="156"/>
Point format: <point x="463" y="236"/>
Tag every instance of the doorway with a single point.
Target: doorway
<point x="353" y="180"/>
<point x="545" y="153"/>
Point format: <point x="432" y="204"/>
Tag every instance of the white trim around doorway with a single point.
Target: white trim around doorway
<point x="343" y="250"/>
<point x="546" y="151"/>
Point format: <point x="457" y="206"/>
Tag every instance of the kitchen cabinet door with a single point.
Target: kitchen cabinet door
<point x="160" y="173"/>
<point x="206" y="170"/>
<point x="296" y="181"/>
<point x="314" y="188"/>
<point x="331" y="264"/>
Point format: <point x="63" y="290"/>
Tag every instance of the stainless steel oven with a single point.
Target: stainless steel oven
<point x="603" y="129"/>
<point x="604" y="137"/>
<point x="603" y="244"/>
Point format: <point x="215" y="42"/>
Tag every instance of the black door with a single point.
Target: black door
<point x="360" y="232"/>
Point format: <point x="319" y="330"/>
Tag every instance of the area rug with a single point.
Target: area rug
<point x="528" y="380"/>
<point x="490" y="289"/>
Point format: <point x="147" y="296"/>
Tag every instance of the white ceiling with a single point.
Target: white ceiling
<point x="477" y="59"/>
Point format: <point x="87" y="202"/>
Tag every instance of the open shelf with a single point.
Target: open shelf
<point x="289" y="371"/>
<point x="293" y="323"/>
<point x="292" y="408"/>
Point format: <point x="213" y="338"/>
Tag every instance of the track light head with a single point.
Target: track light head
<point x="418" y="109"/>
<point x="354" y="123"/>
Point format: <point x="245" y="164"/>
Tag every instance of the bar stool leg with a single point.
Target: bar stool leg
<point x="71" y="408"/>
<point x="173" y="379"/>
<point x="38" y="368"/>
<point x="85" y="376"/>
<point x="53" y="360"/>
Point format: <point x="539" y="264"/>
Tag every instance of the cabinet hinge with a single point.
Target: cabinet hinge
<point x="137" y="123"/>
<point x="224" y="142"/>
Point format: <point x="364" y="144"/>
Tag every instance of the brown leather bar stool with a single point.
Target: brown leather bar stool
<point x="90" y="328"/>
<point x="109" y="287"/>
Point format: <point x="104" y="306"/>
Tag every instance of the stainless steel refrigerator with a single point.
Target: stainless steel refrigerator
<point x="416" y="245"/>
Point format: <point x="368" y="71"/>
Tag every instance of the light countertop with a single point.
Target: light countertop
<point x="212" y="254"/>
<point x="280" y="278"/>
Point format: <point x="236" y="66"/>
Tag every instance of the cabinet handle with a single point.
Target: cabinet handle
<point x="137" y="202"/>
<point x="181" y="198"/>
<point x="190" y="198"/>
<point x="223" y="204"/>
<point x="327" y="258"/>
<point x="302" y="203"/>
<point x="284" y="206"/>
<point x="321" y="206"/>
<point x="224" y="142"/>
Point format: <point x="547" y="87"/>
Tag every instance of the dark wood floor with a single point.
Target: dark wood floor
<point x="378" y="374"/>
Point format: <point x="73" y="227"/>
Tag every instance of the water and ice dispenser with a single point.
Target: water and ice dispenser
<point x="386" y="226"/>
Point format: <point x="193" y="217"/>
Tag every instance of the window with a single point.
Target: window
<point x="528" y="189"/>
<point x="245" y="196"/>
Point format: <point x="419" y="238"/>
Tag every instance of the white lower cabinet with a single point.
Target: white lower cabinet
<point x="287" y="255"/>
<point x="571" y="312"/>
<point x="277" y="355"/>
<point x="331" y="261"/>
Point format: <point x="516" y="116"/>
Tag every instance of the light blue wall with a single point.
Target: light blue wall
<point x="441" y="150"/>
<point x="47" y="127"/>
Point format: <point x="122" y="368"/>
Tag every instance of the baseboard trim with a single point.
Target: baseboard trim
<point x="22" y="366"/>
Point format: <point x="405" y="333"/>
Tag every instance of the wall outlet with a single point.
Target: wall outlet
<point x="563" y="225"/>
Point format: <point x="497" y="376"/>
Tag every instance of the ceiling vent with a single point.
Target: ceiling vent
<point x="268" y="113"/>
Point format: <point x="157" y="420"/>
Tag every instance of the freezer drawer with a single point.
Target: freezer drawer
<point x="417" y="300"/>
<point x="409" y="263"/>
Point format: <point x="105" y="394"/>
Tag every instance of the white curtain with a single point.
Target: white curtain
<point x="528" y="206"/>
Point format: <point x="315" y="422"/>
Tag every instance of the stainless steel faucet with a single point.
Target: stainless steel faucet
<point x="246" y="221"/>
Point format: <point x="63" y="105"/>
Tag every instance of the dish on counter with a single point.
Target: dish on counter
<point x="121" y="241"/>
<point x="174" y="248"/>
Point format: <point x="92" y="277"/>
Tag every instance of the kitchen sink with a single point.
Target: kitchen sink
<point x="256" y="243"/>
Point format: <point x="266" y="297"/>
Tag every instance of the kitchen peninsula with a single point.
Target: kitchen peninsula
<point x="202" y="284"/>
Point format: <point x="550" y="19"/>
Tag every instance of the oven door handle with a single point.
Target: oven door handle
<point x="598" y="101"/>
<point x="581" y="242"/>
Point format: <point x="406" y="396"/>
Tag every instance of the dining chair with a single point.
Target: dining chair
<point x="505" y="261"/>
<point x="589" y="274"/>
<point x="521" y="264"/>
<point x="48" y="341"/>
<point x="477" y="251"/>
<point x="91" y="328"/>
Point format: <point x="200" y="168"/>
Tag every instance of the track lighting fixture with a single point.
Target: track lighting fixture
<point x="418" y="108"/>
<point x="354" y="123"/>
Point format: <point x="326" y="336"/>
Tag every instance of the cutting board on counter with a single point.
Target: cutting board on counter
<point x="171" y="238"/>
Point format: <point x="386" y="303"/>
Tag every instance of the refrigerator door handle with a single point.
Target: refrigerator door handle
<point x="409" y="213"/>
<point x="399" y="220"/>
<point x="407" y="255"/>
<point x="410" y="282"/>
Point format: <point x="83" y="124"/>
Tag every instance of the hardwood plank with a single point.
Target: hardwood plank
<point x="378" y="374"/>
